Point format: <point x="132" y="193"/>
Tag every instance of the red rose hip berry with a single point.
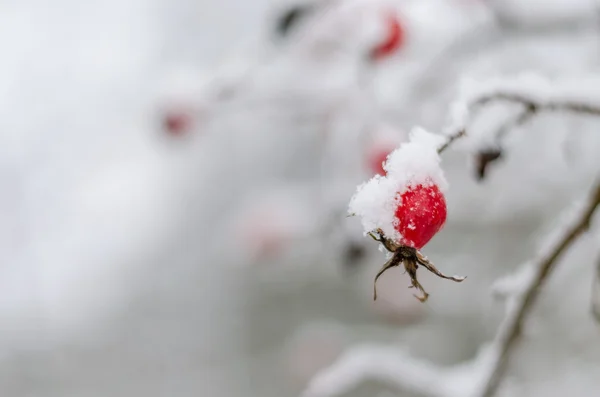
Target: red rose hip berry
<point x="421" y="213"/>
<point x="378" y="155"/>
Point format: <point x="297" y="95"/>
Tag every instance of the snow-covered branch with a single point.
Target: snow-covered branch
<point x="533" y="93"/>
<point x="519" y="304"/>
<point x="395" y="368"/>
<point x="532" y="106"/>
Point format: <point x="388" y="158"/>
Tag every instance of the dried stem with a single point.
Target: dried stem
<point x="508" y="335"/>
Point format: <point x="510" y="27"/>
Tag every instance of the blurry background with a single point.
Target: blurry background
<point x="174" y="177"/>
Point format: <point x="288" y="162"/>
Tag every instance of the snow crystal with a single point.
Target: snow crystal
<point x="415" y="162"/>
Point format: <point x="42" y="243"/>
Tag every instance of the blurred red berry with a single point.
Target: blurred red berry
<point x="177" y="123"/>
<point x="421" y="213"/>
<point x="394" y="38"/>
<point x="377" y="155"/>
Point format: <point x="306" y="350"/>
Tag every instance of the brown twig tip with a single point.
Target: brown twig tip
<point x="482" y="161"/>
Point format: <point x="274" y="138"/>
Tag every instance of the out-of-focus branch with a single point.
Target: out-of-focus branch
<point x="595" y="307"/>
<point x="535" y="105"/>
<point x="532" y="106"/>
<point x="391" y="366"/>
<point x="518" y="311"/>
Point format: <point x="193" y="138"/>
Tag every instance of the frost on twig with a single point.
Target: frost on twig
<point x="481" y="376"/>
<point x="533" y="95"/>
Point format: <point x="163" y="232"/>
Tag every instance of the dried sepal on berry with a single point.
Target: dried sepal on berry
<point x="411" y="258"/>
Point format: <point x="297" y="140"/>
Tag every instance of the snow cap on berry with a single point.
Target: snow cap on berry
<point x="413" y="163"/>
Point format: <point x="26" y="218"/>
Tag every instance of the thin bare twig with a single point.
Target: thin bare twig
<point x="521" y="118"/>
<point x="532" y="107"/>
<point x="509" y="333"/>
<point x="451" y="138"/>
<point x="537" y="106"/>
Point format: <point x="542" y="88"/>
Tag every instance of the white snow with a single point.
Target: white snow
<point x="413" y="163"/>
<point x="396" y="367"/>
<point x="515" y="283"/>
